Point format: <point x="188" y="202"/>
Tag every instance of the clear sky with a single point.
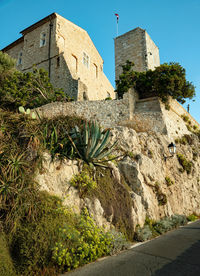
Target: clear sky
<point x="174" y="25"/>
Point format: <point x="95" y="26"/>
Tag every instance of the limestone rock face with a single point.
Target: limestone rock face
<point x="144" y="170"/>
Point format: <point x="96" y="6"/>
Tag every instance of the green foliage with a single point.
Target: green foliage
<point x="186" y="165"/>
<point x="126" y="79"/>
<point x="192" y="217"/>
<point x="6" y="65"/>
<point x="185" y="140"/>
<point x="6" y="264"/>
<point x="91" y="143"/>
<point x="143" y="234"/>
<point x="82" y="243"/>
<point x="32" y="242"/>
<point x="27" y="112"/>
<point x="83" y="182"/>
<point x="31" y="219"/>
<point x="108" y="99"/>
<point x="168" y="181"/>
<point x="55" y="136"/>
<point x="30" y="90"/>
<point x="115" y="200"/>
<point x="167" y="80"/>
<point x="152" y="228"/>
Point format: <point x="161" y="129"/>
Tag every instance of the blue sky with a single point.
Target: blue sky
<point x="174" y="26"/>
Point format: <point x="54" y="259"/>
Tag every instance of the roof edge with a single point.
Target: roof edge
<point x="38" y="23"/>
<point x="21" y="39"/>
<point x="130" y="32"/>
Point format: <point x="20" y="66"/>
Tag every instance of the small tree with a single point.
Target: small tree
<point x="7" y="65"/>
<point x="165" y="81"/>
<point x="31" y="89"/>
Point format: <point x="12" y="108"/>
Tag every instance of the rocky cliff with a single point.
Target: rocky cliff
<point x="140" y="184"/>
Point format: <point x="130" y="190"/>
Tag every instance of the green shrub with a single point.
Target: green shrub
<point x="186" y="165"/>
<point x="178" y="220"/>
<point x="32" y="242"/>
<point x="143" y="234"/>
<point x="167" y="80"/>
<point x="83" y="182"/>
<point x="83" y="242"/>
<point x="163" y="225"/>
<point x="6" y="264"/>
<point x="152" y="228"/>
<point x="168" y="181"/>
<point x="192" y="217"/>
<point x="108" y="99"/>
<point x="30" y="89"/>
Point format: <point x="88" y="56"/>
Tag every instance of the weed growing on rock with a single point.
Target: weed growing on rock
<point x="83" y="182"/>
<point x="168" y="181"/>
<point x="186" y="165"/>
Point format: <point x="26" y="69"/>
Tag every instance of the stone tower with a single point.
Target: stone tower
<point x="138" y="47"/>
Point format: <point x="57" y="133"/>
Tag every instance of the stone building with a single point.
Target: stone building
<point x="68" y="54"/>
<point x="136" y="46"/>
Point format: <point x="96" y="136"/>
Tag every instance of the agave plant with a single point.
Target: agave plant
<point x="91" y="144"/>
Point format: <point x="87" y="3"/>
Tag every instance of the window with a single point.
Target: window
<point x="95" y="71"/>
<point x="58" y="62"/>
<point x="86" y="60"/>
<point x="42" y="39"/>
<point x="74" y="62"/>
<point x="19" y="61"/>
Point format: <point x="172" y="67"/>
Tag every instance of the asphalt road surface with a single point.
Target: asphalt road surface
<point x="176" y="253"/>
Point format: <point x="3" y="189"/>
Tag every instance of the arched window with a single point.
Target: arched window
<point x="43" y="39"/>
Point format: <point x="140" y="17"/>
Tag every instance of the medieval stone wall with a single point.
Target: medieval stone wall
<point x="138" y="47"/>
<point x="152" y="53"/>
<point x="130" y="46"/>
<point x="66" y="49"/>
<point x="152" y="117"/>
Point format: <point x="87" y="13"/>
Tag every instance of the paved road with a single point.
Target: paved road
<point x="176" y="253"/>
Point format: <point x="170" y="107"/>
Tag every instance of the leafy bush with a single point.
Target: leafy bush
<point x="192" y="217"/>
<point x="6" y="65"/>
<point x="32" y="242"/>
<point x="186" y="165"/>
<point x="143" y="234"/>
<point x="31" y="89"/>
<point x="167" y="80"/>
<point x="178" y="220"/>
<point x="84" y="242"/>
<point x="163" y="225"/>
<point x="83" y="182"/>
<point x="152" y="228"/>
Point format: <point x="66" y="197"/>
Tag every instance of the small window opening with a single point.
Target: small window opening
<point x="42" y="39"/>
<point x="95" y="70"/>
<point x="58" y="61"/>
<point x="19" y="62"/>
<point x="86" y="60"/>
